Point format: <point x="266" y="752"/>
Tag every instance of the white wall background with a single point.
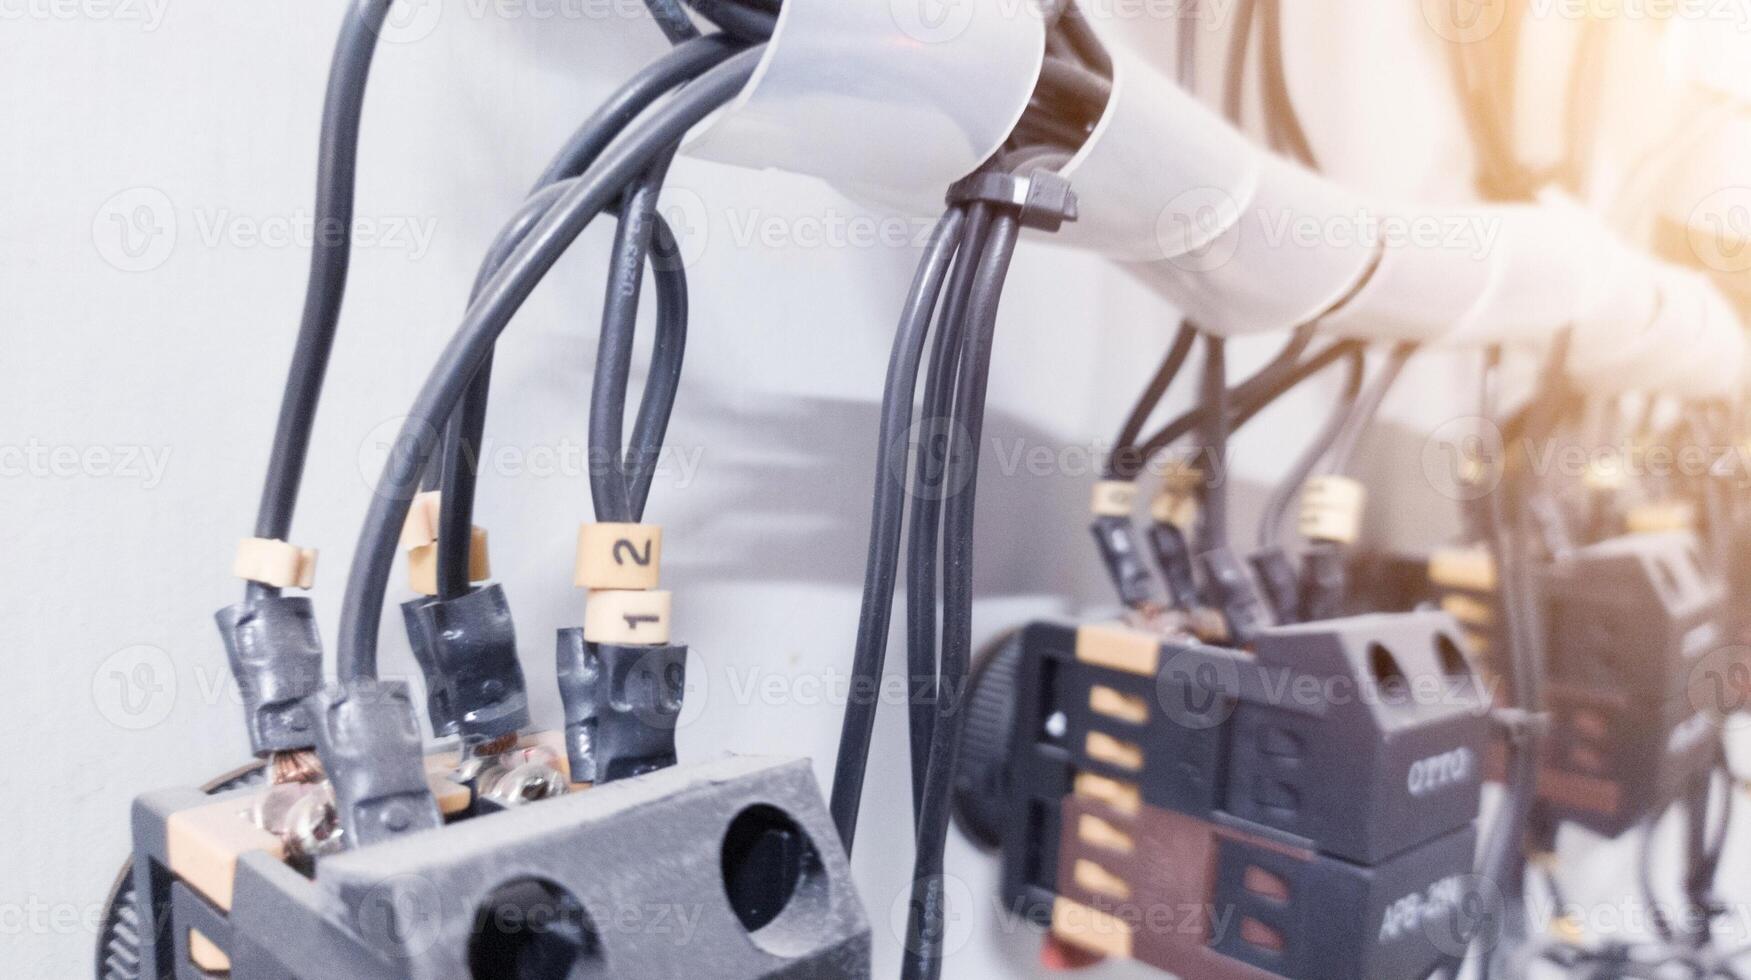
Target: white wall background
<point x="156" y="154"/>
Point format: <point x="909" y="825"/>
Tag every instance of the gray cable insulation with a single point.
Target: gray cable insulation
<point x="886" y="515"/>
<point x="929" y="480"/>
<point x="1283" y="494"/>
<point x="337" y="169"/>
<point x="609" y="487"/>
<point x="1343" y="454"/>
<point x="923" y="956"/>
<point x="587" y="142"/>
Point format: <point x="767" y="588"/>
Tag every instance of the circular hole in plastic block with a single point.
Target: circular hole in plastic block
<point x="535" y="930"/>
<point x="775" y="881"/>
<point x="1394" y="685"/>
<point x="1451" y="658"/>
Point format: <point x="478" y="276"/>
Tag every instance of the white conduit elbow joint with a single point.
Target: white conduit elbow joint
<point x="893" y="109"/>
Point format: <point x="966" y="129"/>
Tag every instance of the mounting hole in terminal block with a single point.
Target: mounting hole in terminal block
<point x="1389" y="676"/>
<point x="535" y="930"/>
<point x="774" y="880"/>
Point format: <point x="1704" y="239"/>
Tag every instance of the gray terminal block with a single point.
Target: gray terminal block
<point x="369" y="740"/>
<point x="276" y="658"/>
<point x="729" y="869"/>
<point x="622" y="704"/>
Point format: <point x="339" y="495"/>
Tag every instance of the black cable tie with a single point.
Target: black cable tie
<point x="1521" y="725"/>
<point x="1042" y="199"/>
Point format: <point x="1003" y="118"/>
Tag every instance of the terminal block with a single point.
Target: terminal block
<point x="1628" y="621"/>
<point x="727" y="869"/>
<point x="1305" y="809"/>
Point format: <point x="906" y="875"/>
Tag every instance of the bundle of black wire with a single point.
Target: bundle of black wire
<point x="957" y="288"/>
<point x="977" y="242"/>
<point x="744" y="21"/>
<point x="1502" y="855"/>
<point x="620" y="478"/>
<point x="620" y="481"/>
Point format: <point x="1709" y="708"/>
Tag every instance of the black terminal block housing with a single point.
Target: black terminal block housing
<point x="585" y="886"/>
<point x="622" y="704"/>
<point x="276" y="658"/>
<point x="1305" y="810"/>
<point x="1628" y="622"/>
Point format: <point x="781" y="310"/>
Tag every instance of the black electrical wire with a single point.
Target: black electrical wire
<point x="750" y="23"/>
<point x="632" y="241"/>
<point x="1276" y="513"/>
<point x="1126" y="445"/>
<point x="1250" y="397"/>
<point x="460" y="457"/>
<point x="1075" y="82"/>
<point x="1645" y="879"/>
<point x="1214" y="396"/>
<point x="922" y="959"/>
<point x="583" y="199"/>
<point x="1239" y="44"/>
<point x="1285" y="124"/>
<point x="668" y="352"/>
<point x="672" y="20"/>
<point x="1268" y="380"/>
<point x="337" y="167"/>
<point x="459" y="462"/>
<point x="930" y="483"/>
<point x="1186" y="62"/>
<point x="678" y="66"/>
<point x="1367" y="407"/>
<point x="1081" y="40"/>
<point x="886" y="516"/>
<point x="1503" y="856"/>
